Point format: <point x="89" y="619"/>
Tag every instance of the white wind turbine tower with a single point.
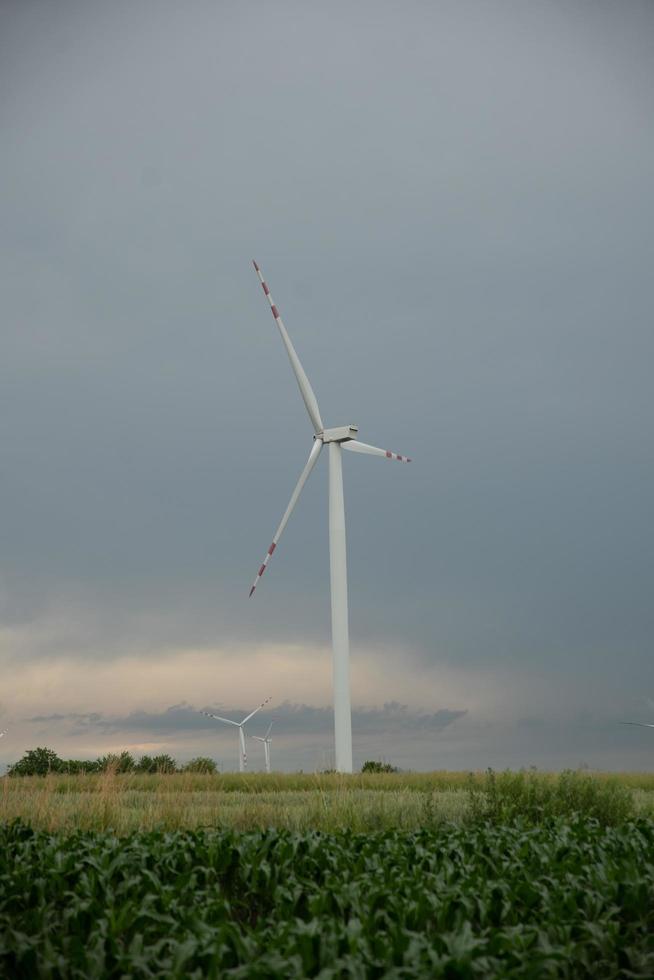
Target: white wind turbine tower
<point x="242" y="755"/>
<point x="266" y="739"/>
<point x="343" y="437"/>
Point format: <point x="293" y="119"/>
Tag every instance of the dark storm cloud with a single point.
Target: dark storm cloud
<point x="453" y="205"/>
<point x="289" y="719"/>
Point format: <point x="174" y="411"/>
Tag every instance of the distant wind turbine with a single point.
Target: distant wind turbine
<point x="640" y="724"/>
<point x="242" y="756"/>
<point x="3" y="732"/>
<point x="343" y="437"/>
<point x="266" y="739"/>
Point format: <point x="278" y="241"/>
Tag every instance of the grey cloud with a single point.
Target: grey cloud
<point x="90" y="718"/>
<point x="289" y="719"/>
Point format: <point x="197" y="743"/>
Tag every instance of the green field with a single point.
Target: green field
<point x="567" y="899"/>
<point x="384" y="876"/>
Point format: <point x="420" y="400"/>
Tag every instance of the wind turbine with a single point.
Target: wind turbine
<point x="242" y="756"/>
<point x="266" y="739"/>
<point x="343" y="437"/>
<point x="3" y="732"/>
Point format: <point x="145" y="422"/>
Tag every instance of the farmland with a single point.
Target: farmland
<point x="398" y="876"/>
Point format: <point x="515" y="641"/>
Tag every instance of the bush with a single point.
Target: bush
<point x="116" y="763"/>
<point x="201" y="764"/>
<point x="145" y="764"/>
<point x="74" y="767"/>
<point x="37" y="762"/>
<point x="164" y="764"/>
<point x="371" y="766"/>
<point x="536" y="799"/>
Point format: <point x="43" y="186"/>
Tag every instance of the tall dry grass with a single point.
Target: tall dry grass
<point x="127" y="802"/>
<point x="258" y="782"/>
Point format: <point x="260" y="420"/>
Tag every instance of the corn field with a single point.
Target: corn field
<point x="570" y="898"/>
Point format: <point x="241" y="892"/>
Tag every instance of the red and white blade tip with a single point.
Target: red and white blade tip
<point x="263" y="568"/>
<point x="402" y="459"/>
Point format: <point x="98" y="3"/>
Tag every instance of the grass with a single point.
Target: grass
<point x="256" y="782"/>
<point x="126" y="803"/>
<point x="405" y="801"/>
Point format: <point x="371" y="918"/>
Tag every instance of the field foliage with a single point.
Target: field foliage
<point x="127" y="802"/>
<point x="565" y="898"/>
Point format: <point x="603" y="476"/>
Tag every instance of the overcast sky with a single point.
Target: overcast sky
<point x="453" y="205"/>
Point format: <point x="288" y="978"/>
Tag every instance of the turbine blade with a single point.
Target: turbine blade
<point x="263" y="703"/>
<point x="361" y="447"/>
<point x="304" y="476"/>
<point x="303" y="382"/>
<point x="218" y="718"/>
<point x="640" y="724"/>
<point x="258" y="738"/>
<point x="269" y="730"/>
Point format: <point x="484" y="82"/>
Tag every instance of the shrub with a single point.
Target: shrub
<point x="164" y="764"/>
<point x="536" y="799"/>
<point x="372" y="766"/>
<point x="116" y="763"/>
<point x="201" y="764"/>
<point x="73" y="767"/>
<point x="145" y="764"/>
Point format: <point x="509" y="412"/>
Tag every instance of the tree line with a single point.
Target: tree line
<point x="41" y="761"/>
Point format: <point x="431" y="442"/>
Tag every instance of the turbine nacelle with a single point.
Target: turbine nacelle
<point x="341" y="434"/>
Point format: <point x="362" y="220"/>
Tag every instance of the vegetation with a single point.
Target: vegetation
<point x="365" y="802"/>
<point x="508" y="796"/>
<point x="374" y="775"/>
<point x="201" y="764"/>
<point x="566" y="898"/>
<point x="37" y="762"/>
<point x="162" y="764"/>
<point x="74" y="767"/>
<point x="127" y="872"/>
<point x="371" y="766"/>
<point x="117" y="763"/>
<point x="42" y="762"/>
